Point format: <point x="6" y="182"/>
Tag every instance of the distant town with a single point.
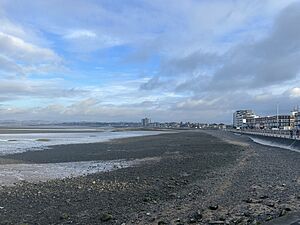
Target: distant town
<point x="145" y="123"/>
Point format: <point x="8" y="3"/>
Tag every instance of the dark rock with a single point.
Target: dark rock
<point x="192" y="220"/>
<point x="196" y="216"/>
<point x="264" y="197"/>
<point x="269" y="218"/>
<point x="282" y="213"/>
<point x="147" y="199"/>
<point x="247" y="214"/>
<point x="64" y="216"/>
<point x="106" y="217"/>
<point x="270" y="204"/>
<point x="251" y="200"/>
<point x="161" y="222"/>
<point x="213" y="207"/>
<point x="152" y="219"/>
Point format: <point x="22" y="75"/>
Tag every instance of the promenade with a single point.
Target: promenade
<point x="287" y="134"/>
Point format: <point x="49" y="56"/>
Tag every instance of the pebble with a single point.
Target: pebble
<point x="216" y="222"/>
<point x="213" y="207"/>
<point x="106" y="217"/>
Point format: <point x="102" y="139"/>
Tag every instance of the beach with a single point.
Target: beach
<point x="187" y="177"/>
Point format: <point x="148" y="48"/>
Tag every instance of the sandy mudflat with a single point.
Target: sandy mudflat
<point x="198" y="178"/>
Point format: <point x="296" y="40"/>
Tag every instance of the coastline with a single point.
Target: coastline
<point x="200" y="177"/>
<point x="23" y="142"/>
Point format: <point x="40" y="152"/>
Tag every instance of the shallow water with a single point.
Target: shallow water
<point x="16" y="143"/>
<point x="14" y="173"/>
<point x="21" y="142"/>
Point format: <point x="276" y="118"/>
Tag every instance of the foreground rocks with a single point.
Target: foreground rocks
<point x="199" y="179"/>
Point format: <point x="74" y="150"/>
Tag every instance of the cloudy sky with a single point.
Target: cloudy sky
<point x="171" y="60"/>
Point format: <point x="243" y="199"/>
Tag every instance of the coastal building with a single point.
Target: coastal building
<point x="246" y="119"/>
<point x="146" y="122"/>
<point x="282" y="122"/>
<point x="295" y="116"/>
<point x="240" y="118"/>
<point x="297" y="121"/>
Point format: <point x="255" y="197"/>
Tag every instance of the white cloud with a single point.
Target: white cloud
<point x="80" y="34"/>
<point x="18" y="49"/>
<point x="294" y="92"/>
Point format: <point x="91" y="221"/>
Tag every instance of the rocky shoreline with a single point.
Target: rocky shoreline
<point x="195" y="178"/>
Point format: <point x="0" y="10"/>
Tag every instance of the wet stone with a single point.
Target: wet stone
<point x="213" y="207"/>
<point x="106" y="217"/>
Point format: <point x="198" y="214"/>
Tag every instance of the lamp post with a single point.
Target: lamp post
<point x="277" y="116"/>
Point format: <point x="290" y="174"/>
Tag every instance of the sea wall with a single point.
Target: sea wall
<point x="282" y="142"/>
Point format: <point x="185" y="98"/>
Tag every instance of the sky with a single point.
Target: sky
<point x="170" y="60"/>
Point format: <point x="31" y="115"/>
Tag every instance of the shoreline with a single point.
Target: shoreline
<point x="12" y="144"/>
<point x="107" y="150"/>
<point x="202" y="177"/>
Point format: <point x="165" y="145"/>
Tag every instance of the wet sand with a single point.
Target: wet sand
<point x="200" y="178"/>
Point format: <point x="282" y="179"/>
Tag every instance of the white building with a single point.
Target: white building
<point x="240" y="118"/>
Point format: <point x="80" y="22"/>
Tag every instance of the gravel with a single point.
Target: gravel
<point x="200" y="178"/>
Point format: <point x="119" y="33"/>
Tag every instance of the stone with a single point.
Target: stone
<point x="152" y="219"/>
<point x="173" y="195"/>
<point x="216" y="222"/>
<point x="64" y="216"/>
<point x="247" y="214"/>
<point x="147" y="199"/>
<point x="270" y="204"/>
<point x="269" y="218"/>
<point x="106" y="217"/>
<point x="197" y="216"/>
<point x="264" y="197"/>
<point x="213" y="207"/>
<point x="282" y="213"/>
<point x="192" y="220"/>
<point x="251" y="200"/>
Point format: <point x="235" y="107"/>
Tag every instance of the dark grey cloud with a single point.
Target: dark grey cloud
<point x="153" y="83"/>
<point x="190" y="63"/>
<point x="246" y="66"/>
<point x="270" y="61"/>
